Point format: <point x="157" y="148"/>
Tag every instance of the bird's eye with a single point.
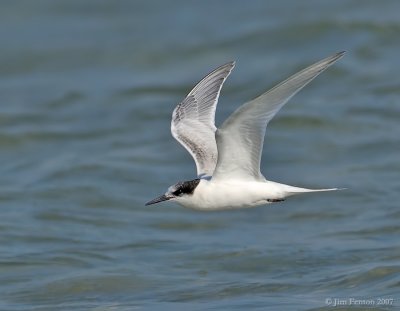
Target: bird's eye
<point x="177" y="192"/>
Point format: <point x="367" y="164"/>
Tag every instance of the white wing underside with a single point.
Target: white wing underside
<point x="240" y="138"/>
<point x="193" y="120"/>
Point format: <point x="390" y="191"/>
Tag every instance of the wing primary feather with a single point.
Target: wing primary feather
<point x="193" y="120"/>
<point x="240" y="138"/>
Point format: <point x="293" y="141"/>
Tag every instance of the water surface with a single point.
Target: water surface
<point x="87" y="91"/>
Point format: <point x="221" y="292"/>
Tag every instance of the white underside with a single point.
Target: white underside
<point x="233" y="194"/>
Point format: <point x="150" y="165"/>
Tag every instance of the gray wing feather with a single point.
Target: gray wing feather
<point x="193" y="120"/>
<point x="240" y="138"/>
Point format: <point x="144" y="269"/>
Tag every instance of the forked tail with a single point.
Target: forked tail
<point x="296" y="190"/>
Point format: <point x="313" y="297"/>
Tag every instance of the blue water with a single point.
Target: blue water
<point x="87" y="89"/>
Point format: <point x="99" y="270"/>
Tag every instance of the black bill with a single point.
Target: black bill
<point x="158" y="200"/>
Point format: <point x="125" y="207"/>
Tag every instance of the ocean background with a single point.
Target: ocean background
<point x="87" y="89"/>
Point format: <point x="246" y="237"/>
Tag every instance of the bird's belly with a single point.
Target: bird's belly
<point x="227" y="196"/>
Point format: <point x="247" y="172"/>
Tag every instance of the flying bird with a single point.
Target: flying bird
<point x="228" y="158"/>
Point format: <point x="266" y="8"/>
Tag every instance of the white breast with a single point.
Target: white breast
<point x="231" y="194"/>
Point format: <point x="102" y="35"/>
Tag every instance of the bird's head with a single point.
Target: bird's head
<point x="177" y="191"/>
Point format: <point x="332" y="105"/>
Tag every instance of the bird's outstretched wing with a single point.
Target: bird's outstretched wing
<point x="240" y="138"/>
<point x="193" y="120"/>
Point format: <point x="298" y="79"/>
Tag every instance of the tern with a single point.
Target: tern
<point x="228" y="158"/>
